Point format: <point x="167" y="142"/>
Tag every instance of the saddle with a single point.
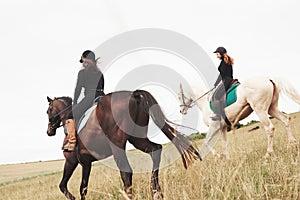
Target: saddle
<point x="230" y="96"/>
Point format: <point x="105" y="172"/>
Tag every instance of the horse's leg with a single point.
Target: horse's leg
<point x="214" y="128"/>
<point x="273" y="111"/>
<point x="225" y="142"/>
<point x="69" y="167"/>
<point x="154" y="150"/>
<point x="86" y="170"/>
<point x="125" y="169"/>
<point x="269" y="128"/>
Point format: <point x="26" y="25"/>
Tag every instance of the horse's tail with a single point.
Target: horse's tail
<point x="283" y="85"/>
<point x="185" y="148"/>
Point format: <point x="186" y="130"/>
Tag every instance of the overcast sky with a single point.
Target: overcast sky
<point x="41" y="43"/>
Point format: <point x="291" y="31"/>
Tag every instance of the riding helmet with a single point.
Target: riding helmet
<point x="88" y="54"/>
<point x="220" y="50"/>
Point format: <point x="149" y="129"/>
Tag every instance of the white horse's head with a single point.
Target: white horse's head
<point x="195" y="97"/>
<point x="185" y="102"/>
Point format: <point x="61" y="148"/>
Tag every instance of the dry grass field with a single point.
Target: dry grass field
<point x="245" y="176"/>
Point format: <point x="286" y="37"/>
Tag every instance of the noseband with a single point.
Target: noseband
<point x="184" y="104"/>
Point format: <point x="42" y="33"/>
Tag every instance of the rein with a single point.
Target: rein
<point x="193" y="102"/>
<point x="59" y="113"/>
<point x="62" y="111"/>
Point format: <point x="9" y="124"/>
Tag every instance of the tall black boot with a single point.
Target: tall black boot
<point x="219" y="106"/>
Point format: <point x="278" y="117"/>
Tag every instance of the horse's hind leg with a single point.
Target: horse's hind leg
<point x="269" y="128"/>
<point x="69" y="167"/>
<point x="124" y="167"/>
<point x="154" y="150"/>
<point x="273" y="111"/>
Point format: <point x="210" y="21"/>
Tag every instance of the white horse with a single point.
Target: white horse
<point x="256" y="94"/>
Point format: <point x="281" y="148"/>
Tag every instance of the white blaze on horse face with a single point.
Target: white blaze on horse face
<point x="183" y="105"/>
<point x="181" y="100"/>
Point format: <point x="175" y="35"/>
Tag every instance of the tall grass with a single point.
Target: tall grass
<point x="245" y="176"/>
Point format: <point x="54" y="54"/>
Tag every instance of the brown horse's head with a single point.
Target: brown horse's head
<point x="57" y="112"/>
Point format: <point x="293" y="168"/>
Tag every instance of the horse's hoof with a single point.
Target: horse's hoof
<point x="128" y="192"/>
<point x="268" y="155"/>
<point x="71" y="197"/>
<point x="218" y="155"/>
<point x="224" y="157"/>
<point x="294" y="143"/>
<point x="158" y="195"/>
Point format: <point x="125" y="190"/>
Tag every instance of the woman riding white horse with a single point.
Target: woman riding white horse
<point x="222" y="84"/>
<point x="256" y="94"/>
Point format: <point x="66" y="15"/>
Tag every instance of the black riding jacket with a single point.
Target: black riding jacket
<point x="226" y="74"/>
<point x="92" y="82"/>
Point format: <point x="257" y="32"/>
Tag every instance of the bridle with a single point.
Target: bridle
<point x="56" y="124"/>
<point x="192" y="103"/>
<point x="184" y="104"/>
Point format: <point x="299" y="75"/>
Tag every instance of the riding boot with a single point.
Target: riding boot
<point x="220" y="113"/>
<point x="71" y="137"/>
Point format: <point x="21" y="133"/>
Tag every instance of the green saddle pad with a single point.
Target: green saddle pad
<point x="230" y="96"/>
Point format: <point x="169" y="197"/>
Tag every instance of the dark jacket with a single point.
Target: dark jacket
<point x="93" y="85"/>
<point x="92" y="82"/>
<point x="226" y="74"/>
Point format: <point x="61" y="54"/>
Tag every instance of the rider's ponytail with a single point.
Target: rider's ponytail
<point x="229" y="60"/>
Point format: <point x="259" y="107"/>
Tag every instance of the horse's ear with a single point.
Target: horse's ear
<point x="49" y="99"/>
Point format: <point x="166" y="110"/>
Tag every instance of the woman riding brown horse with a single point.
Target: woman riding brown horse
<point x="119" y="117"/>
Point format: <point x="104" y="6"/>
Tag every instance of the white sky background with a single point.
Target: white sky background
<point x="41" y="43"/>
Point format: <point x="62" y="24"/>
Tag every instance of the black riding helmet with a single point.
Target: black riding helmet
<point x="88" y="54"/>
<point x="220" y="50"/>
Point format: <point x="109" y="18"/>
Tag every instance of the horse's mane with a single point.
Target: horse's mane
<point x="65" y="98"/>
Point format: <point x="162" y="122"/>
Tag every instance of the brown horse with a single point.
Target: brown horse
<point x="118" y="117"/>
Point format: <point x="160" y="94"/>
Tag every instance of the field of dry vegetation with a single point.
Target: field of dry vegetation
<point x="245" y="176"/>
